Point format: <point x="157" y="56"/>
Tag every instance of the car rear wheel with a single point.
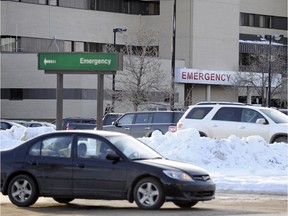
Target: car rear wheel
<point x="281" y="139"/>
<point x="149" y="194"/>
<point x="22" y="191"/>
<point x="186" y="204"/>
<point x="63" y="200"/>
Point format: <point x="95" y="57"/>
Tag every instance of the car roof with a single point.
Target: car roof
<point x="220" y="103"/>
<point x="230" y="104"/>
<point x="95" y="132"/>
<point x="78" y="118"/>
<point x="164" y="111"/>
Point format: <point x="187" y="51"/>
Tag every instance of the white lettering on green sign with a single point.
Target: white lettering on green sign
<point x="95" y="61"/>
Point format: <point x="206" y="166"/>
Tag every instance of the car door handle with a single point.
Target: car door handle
<point x="80" y="165"/>
<point x="242" y="127"/>
<point x="34" y="163"/>
<point x="127" y="128"/>
<point x="147" y="128"/>
<point x="214" y="125"/>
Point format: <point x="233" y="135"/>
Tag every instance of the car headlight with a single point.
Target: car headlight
<point x="177" y="175"/>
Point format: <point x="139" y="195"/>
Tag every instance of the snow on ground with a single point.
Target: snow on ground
<point x="235" y="164"/>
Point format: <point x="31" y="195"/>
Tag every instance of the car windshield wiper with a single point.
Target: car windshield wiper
<point x="157" y="158"/>
<point x="147" y="158"/>
<point x="141" y="159"/>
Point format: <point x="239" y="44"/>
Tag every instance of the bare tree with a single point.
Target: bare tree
<point x="253" y="75"/>
<point x="142" y="75"/>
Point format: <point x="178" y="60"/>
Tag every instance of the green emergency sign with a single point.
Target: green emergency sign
<point x="79" y="62"/>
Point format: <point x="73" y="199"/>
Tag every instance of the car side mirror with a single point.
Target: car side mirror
<point x="115" y="158"/>
<point x="115" y="123"/>
<point x="261" y="121"/>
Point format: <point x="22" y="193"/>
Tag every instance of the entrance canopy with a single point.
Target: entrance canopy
<point x="80" y="63"/>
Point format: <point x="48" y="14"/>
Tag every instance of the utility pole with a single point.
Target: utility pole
<point x="115" y="30"/>
<point x="172" y="93"/>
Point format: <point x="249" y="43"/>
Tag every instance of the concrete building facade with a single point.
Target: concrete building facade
<point x="207" y="41"/>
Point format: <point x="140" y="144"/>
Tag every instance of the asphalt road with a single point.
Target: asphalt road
<point x="225" y="204"/>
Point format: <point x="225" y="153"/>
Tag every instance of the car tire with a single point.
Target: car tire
<point x="23" y="191"/>
<point x="63" y="200"/>
<point x="281" y="139"/>
<point x="149" y="194"/>
<point x="150" y="134"/>
<point x="185" y="204"/>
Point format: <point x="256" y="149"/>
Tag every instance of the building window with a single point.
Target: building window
<point x="7" y="44"/>
<point x="251" y="20"/>
<point x="16" y="94"/>
<point x="93" y="47"/>
<point x="279" y="23"/>
<point x="263" y="21"/>
<point x="83" y="4"/>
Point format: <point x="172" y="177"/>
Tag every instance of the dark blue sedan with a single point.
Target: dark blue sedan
<point x="66" y="165"/>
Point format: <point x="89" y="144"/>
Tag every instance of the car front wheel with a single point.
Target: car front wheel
<point x="22" y="191"/>
<point x="149" y="194"/>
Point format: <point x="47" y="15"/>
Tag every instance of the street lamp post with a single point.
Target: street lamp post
<point x="269" y="38"/>
<point x="115" y="30"/>
<point x="172" y="93"/>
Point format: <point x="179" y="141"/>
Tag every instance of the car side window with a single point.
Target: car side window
<point x="59" y="146"/>
<point x="161" y="117"/>
<point x="126" y="119"/>
<point x="142" y="118"/>
<point x="228" y="114"/>
<point x="198" y="112"/>
<point x="177" y="116"/>
<point x="4" y="126"/>
<point x="92" y="148"/>
<point x="35" y="125"/>
<point x="250" y="116"/>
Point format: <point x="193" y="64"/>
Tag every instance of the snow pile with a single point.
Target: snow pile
<point x="247" y="164"/>
<point x="242" y="164"/>
<point x="251" y="154"/>
<point x="17" y="135"/>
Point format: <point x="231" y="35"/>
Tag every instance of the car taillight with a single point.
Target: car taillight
<point x="172" y="129"/>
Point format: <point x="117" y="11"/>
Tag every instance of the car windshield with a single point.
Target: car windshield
<point x="276" y="115"/>
<point x="133" y="148"/>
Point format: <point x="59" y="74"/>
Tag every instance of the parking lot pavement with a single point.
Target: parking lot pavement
<point x="224" y="205"/>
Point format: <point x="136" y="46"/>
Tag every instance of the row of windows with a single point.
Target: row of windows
<point x="147" y="117"/>
<point x="61" y="146"/>
<point x="49" y="94"/>
<point x="36" y="45"/>
<point x="263" y="21"/>
<point x="70" y="94"/>
<point x="226" y="114"/>
<point x="119" y="6"/>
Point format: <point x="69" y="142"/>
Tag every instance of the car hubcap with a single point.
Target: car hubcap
<point x="21" y="190"/>
<point x="148" y="194"/>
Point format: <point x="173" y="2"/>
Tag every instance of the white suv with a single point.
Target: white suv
<point x="222" y="119"/>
